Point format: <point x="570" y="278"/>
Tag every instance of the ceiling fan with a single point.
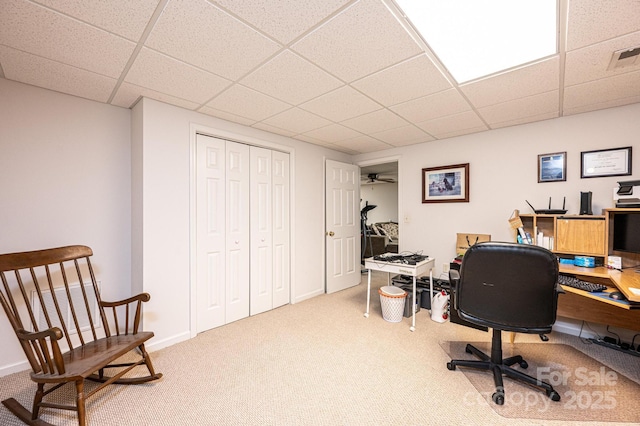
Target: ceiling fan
<point x="375" y="177"/>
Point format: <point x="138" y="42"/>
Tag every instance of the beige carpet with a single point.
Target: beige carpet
<point x="589" y="390"/>
<point x="318" y="362"/>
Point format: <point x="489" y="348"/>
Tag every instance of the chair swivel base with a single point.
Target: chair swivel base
<point x="500" y="367"/>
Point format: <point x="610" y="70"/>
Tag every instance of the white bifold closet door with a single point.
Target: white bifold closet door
<point x="242" y="231"/>
<point x="270" y="266"/>
<point x="222" y="227"/>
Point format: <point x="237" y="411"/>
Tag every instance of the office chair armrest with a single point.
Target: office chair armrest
<point x="454" y="279"/>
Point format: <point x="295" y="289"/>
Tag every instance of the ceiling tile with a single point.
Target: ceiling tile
<point x="603" y="91"/>
<point x="41" y="72"/>
<point x="591" y="21"/>
<point x="590" y="63"/>
<point x="376" y="121"/>
<point x="248" y="103"/>
<point x="441" y="127"/>
<point x="363" y="143"/>
<point x="305" y="138"/>
<point x="361" y="40"/>
<point x="166" y="75"/>
<point x="128" y="94"/>
<point x="526" y="81"/>
<point x="602" y="105"/>
<point x="35" y="29"/>
<point x="296" y="120"/>
<point x="401" y="136"/>
<point x="332" y="133"/>
<point x="525" y="120"/>
<point x="341" y="104"/>
<point x="462" y="131"/>
<point x="530" y="106"/>
<point x="226" y="116"/>
<point x="408" y="80"/>
<point x="123" y="17"/>
<point x="273" y="129"/>
<point x="201" y="34"/>
<point x="284" y="20"/>
<point x="287" y="76"/>
<point x="433" y="106"/>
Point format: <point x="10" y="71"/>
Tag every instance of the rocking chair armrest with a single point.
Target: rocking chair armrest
<point x="131" y="309"/>
<point x="54" y="333"/>
<point x="43" y="350"/>
<point x="142" y="297"/>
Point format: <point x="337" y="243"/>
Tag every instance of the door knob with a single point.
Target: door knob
<point x="330" y="233"/>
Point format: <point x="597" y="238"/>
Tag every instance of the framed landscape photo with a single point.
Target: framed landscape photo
<point x="552" y="167"/>
<point x="606" y="162"/>
<point x="446" y="184"/>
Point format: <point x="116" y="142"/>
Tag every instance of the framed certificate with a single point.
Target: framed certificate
<point x="606" y="162"/>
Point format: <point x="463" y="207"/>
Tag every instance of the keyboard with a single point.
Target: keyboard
<point x="579" y="284"/>
<point x="410" y="259"/>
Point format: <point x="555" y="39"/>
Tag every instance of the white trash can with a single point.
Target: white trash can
<point x="392" y="302"/>
<point x="439" y="305"/>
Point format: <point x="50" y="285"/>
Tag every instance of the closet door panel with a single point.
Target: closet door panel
<point x="237" y="231"/>
<point x="261" y="231"/>
<point x="281" y="250"/>
<point x="210" y="229"/>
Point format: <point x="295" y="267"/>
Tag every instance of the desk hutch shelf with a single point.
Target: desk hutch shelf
<point x="572" y="235"/>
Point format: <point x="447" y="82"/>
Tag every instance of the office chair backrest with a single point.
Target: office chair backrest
<point x="508" y="286"/>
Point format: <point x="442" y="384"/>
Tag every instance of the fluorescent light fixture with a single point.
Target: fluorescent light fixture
<point x="475" y="38"/>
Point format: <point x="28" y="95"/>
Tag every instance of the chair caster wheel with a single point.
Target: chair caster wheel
<point x="498" y="398"/>
<point x="451" y="366"/>
<point x="555" y="396"/>
<point x="524" y="364"/>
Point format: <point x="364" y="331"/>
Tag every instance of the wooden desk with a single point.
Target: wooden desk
<point x="582" y="305"/>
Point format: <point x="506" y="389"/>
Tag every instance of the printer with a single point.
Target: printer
<point x="627" y="194"/>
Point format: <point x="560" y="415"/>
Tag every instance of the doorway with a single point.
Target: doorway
<point x="379" y="187"/>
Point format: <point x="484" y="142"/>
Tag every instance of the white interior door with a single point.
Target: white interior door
<point x="342" y="200"/>
<point x="210" y="226"/>
<point x="261" y="231"/>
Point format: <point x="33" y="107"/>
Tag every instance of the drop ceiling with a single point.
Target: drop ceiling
<point x="350" y="75"/>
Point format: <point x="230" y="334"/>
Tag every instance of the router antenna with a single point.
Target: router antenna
<point x="549" y="203"/>
<point x="564" y="200"/>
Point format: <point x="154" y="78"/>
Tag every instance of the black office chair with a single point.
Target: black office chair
<point x="510" y="287"/>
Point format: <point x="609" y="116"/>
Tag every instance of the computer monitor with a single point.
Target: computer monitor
<point x="626" y="232"/>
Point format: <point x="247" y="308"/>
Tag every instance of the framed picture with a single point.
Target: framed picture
<point x="606" y="162"/>
<point x="552" y="167"/>
<point x="446" y="184"/>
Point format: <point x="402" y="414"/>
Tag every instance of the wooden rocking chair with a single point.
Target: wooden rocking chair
<point x="67" y="332"/>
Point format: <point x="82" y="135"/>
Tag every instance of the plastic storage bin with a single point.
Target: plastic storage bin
<point x="392" y="301"/>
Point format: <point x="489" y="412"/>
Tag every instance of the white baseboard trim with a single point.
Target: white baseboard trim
<point x="5" y="370"/>
<point x="573" y="329"/>
<point x="307" y="296"/>
<point x="155" y="345"/>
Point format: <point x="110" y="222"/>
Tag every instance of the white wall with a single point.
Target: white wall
<point x="162" y="175"/>
<point x="385" y="197"/>
<point x="64" y="179"/>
